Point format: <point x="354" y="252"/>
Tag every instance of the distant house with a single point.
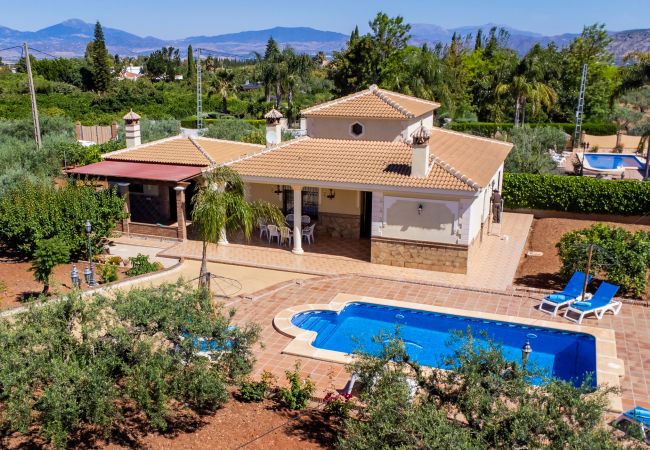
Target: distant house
<point x="131" y="73"/>
<point x="371" y="166"/>
<point x="248" y="86"/>
<point x="178" y="77"/>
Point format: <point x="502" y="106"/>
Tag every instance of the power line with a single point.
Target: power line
<point x="45" y="53"/>
<point x="10" y="48"/>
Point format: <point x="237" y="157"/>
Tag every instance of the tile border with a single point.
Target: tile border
<point x="609" y="368"/>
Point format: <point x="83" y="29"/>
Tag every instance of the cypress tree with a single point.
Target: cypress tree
<point x="479" y="40"/>
<point x="190" y="62"/>
<point x="100" y="61"/>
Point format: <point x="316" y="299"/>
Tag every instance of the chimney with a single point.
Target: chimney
<point x="273" y="127"/>
<point x="132" y="129"/>
<point x="420" y="152"/>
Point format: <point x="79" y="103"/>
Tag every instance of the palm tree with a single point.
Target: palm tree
<point x="539" y="94"/>
<point x="220" y="206"/>
<point x="223" y="84"/>
<point x="293" y="69"/>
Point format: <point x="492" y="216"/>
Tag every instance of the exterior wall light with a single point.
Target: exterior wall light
<point x="331" y="195"/>
<point x="277" y="190"/>
<point x="419" y="209"/>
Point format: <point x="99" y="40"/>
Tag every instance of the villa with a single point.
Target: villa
<point x="372" y="166"/>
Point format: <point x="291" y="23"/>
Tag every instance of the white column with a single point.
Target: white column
<point x="223" y="238"/>
<point x="297" y="222"/>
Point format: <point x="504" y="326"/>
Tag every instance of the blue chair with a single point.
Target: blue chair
<point x="601" y="302"/>
<point x="571" y="293"/>
<point x="638" y="417"/>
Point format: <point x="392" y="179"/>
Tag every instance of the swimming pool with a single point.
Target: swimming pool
<point x="563" y="354"/>
<point x="611" y="161"/>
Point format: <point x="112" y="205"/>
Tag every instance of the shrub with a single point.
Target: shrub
<point x="109" y="273"/>
<point x="530" y="152"/>
<point x="114" y="260"/>
<point x="32" y="211"/>
<point x="481" y="401"/>
<point x="297" y="395"/>
<point x="48" y="254"/>
<point x="623" y="256"/>
<point x="140" y="265"/>
<point x="108" y="363"/>
<point x="253" y="391"/>
<point x="489" y="128"/>
<point x="3" y="286"/>
<point x="576" y="194"/>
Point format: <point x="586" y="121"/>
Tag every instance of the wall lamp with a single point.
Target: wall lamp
<point x="277" y="190"/>
<point x="420" y="209"/>
<point x="331" y="195"/>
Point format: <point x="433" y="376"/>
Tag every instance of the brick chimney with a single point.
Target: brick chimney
<point x="273" y="127"/>
<point x="420" y="152"/>
<point x="132" y="129"/>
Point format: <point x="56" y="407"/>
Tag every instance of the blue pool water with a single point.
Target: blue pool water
<point x="611" y="162"/>
<point x="562" y="354"/>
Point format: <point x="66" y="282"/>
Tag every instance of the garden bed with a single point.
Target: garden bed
<point x="542" y="271"/>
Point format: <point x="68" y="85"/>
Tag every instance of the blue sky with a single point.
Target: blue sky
<point x="170" y="19"/>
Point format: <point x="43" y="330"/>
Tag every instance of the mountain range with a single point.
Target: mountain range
<point x="69" y="39"/>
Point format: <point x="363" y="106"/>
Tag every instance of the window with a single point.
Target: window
<point x="136" y="188"/>
<point x="356" y="129"/>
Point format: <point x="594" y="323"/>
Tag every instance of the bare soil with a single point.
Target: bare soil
<point x="18" y="286"/>
<point x="543" y="271"/>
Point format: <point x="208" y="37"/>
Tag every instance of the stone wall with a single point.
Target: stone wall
<point x="339" y="225"/>
<point x="419" y="255"/>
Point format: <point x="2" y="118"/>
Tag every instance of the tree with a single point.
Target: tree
<point x="222" y="84"/>
<point x="522" y="91"/>
<point x="49" y="253"/>
<point x="190" y="63"/>
<point x="100" y="61"/>
<point x="163" y="64"/>
<point x="481" y="401"/>
<point x="530" y="151"/>
<point x="220" y="206"/>
<point x="124" y="362"/>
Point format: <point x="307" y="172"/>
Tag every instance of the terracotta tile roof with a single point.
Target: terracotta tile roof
<point x="380" y="163"/>
<point x="373" y="103"/>
<point x="470" y="156"/>
<point x="185" y="151"/>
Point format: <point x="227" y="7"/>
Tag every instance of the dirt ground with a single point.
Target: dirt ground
<point x="251" y="426"/>
<point x="18" y="286"/>
<point x="542" y="271"/>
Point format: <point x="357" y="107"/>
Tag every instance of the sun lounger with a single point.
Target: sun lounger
<point x="571" y="293"/>
<point x="637" y="417"/>
<point x="601" y="302"/>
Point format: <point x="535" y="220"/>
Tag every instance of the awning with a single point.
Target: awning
<point x="137" y="170"/>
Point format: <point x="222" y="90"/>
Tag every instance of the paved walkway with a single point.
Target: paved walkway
<point x="632" y="325"/>
<point x="493" y="266"/>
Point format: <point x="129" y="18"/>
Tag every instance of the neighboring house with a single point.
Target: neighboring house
<point x="372" y="166"/>
<point x="131" y="73"/>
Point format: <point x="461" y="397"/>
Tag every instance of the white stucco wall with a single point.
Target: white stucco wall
<point x="373" y="129"/>
<point x="480" y="209"/>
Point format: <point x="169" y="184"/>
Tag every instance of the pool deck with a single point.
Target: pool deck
<point x="625" y="337"/>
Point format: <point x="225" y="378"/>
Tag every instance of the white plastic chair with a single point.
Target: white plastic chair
<point x="285" y="235"/>
<point x="308" y="233"/>
<point x="273" y="232"/>
<point x="289" y="218"/>
<point x="262" y="226"/>
<point x="305" y="220"/>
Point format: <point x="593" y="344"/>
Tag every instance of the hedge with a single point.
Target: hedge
<point x="489" y="128"/>
<point x="191" y="123"/>
<point x="576" y="194"/>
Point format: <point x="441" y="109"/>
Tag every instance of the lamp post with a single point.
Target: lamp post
<point x="526" y="350"/>
<point x="74" y="276"/>
<point x="89" y="272"/>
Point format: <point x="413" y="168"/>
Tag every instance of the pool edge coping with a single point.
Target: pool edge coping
<point x="609" y="368"/>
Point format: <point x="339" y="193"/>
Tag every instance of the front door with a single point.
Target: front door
<point x="366" y="215"/>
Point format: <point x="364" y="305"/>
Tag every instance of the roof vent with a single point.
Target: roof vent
<point x="421" y="135"/>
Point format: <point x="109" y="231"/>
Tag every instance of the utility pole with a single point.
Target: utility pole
<point x="32" y="94"/>
<point x="199" y="95"/>
<point x="584" y="287"/>
<point x="577" y="135"/>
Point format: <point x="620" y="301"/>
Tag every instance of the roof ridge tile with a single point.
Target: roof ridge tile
<point x="202" y="150"/>
<point x="471" y="136"/>
<point x="456" y="173"/>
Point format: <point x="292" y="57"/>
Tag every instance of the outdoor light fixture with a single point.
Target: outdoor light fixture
<point x="277" y="191"/>
<point x="331" y="195"/>
<point x="526" y="350"/>
<point x="419" y="209"/>
<point x="89" y="272"/>
<point x="74" y="276"/>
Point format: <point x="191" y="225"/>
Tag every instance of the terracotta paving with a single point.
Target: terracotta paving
<point x="492" y="265"/>
<point x="632" y="326"/>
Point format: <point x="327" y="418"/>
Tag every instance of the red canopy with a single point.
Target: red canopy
<point x="136" y="170"/>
